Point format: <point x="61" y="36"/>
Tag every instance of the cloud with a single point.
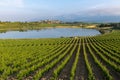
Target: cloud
<point x="12" y="3"/>
<point x="104" y="9"/>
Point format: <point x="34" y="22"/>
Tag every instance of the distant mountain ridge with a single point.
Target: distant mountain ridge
<point x="89" y="18"/>
<point x="80" y="18"/>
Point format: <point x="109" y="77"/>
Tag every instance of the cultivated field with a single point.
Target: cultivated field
<point x="84" y="58"/>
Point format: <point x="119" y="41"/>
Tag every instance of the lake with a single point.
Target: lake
<point x="49" y="33"/>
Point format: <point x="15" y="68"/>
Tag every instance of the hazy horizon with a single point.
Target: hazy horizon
<point x="77" y="10"/>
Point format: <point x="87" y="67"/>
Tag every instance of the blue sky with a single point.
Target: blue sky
<point x="23" y="10"/>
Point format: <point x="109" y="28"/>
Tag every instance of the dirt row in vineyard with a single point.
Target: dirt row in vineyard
<point x="65" y="73"/>
<point x="113" y="73"/>
<point x="81" y="70"/>
<point x="49" y="75"/>
<point x="96" y="70"/>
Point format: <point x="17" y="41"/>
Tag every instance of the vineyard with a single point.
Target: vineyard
<point x="83" y="58"/>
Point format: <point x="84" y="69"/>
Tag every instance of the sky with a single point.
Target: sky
<point x="26" y="10"/>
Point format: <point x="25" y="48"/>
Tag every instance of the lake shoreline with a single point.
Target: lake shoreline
<point x="51" y="33"/>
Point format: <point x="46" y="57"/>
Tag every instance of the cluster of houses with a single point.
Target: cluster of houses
<point x="51" y="21"/>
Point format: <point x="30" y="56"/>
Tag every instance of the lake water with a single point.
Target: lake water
<point x="50" y="33"/>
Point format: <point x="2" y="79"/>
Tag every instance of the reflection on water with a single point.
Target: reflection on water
<point x="50" y="33"/>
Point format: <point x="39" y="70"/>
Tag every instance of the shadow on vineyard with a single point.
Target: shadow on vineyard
<point x="81" y="58"/>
